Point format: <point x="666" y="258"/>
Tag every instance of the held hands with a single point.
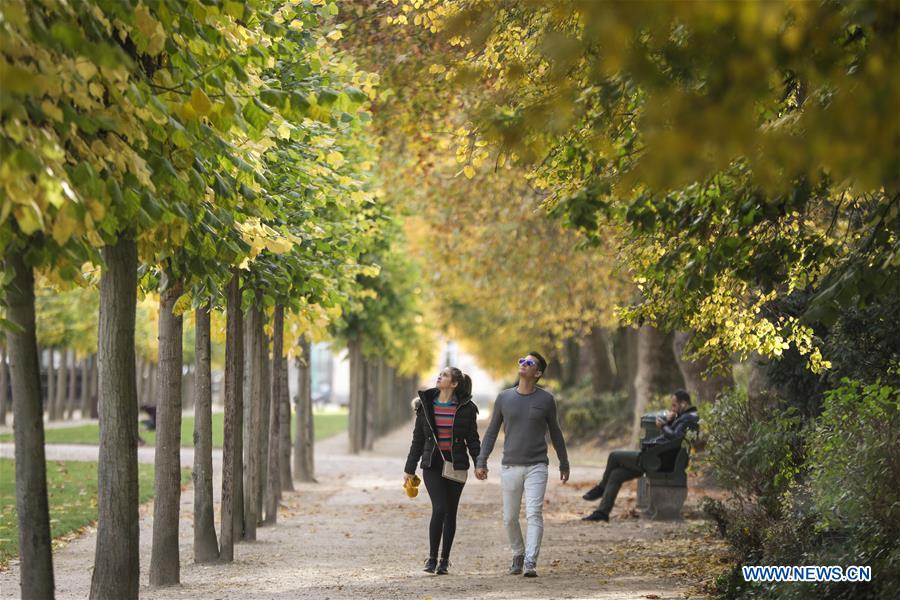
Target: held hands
<point x="481" y="473"/>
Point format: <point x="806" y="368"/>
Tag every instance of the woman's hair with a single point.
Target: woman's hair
<point x="463" y="384"/>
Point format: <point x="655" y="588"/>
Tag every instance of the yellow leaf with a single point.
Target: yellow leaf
<point x="52" y="111"/>
<point x="86" y="68"/>
<point x="181" y="305"/>
<point x="335" y="35"/>
<point x="279" y="246"/>
<point x="334" y="158"/>
<point x="469" y="172"/>
<point x="63" y="227"/>
<point x="200" y="101"/>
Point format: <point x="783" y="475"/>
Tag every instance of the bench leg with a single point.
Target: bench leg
<point x="642" y="502"/>
<point x="666" y="502"/>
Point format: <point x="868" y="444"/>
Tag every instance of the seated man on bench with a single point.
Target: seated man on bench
<point x="624" y="465"/>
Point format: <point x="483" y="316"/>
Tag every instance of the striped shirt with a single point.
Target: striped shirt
<point x="443" y="418"/>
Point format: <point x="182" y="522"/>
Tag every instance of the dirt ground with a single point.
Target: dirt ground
<point x="355" y="534"/>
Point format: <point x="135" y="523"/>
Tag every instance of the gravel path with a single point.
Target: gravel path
<point x="356" y="535"/>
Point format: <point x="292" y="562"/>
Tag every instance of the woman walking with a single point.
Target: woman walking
<point x="445" y="433"/>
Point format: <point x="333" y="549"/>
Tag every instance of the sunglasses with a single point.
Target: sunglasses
<point x="527" y="362"/>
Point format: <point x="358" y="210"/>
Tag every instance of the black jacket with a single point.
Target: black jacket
<point x="677" y="428"/>
<point x="465" y="433"/>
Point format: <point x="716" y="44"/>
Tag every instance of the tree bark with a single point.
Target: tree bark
<point x="303" y="444"/>
<point x="264" y="416"/>
<point x="62" y="378"/>
<point x="571" y="351"/>
<point x="116" y="559"/>
<point x="51" y="384"/>
<point x="602" y="378"/>
<point x="206" y="546"/>
<point x="358" y="412"/>
<point x="232" y="513"/>
<point x="84" y="400"/>
<point x="284" y="443"/>
<point x="75" y="368"/>
<point x="700" y="387"/>
<point x="4" y="384"/>
<point x="625" y="357"/>
<point x="252" y="472"/>
<point x="95" y="387"/>
<point x="32" y="507"/>
<point x="655" y="374"/>
<point x="273" y="480"/>
<point x="164" y="559"/>
<point x="371" y="400"/>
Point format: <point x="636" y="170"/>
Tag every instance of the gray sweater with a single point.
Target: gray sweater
<point x="526" y="420"/>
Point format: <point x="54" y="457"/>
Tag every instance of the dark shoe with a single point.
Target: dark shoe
<point x="597" y="515"/>
<point x="516" y="567"/>
<point x="443" y="566"/>
<point x="530" y="570"/>
<point x="430" y="565"/>
<point x="595" y="493"/>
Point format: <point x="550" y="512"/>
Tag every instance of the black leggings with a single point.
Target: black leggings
<point x="444" y="495"/>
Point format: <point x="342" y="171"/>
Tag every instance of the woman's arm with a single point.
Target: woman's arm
<point x="473" y="442"/>
<point x="417" y="445"/>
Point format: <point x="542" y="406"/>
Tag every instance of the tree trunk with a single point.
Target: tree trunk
<point x="264" y="416"/>
<point x="625" y="357"/>
<point x="357" y="401"/>
<point x="701" y="388"/>
<point x="273" y="481"/>
<point x="206" y="546"/>
<point x="4" y="385"/>
<point x="602" y="378"/>
<point x="95" y="387"/>
<point x="84" y="400"/>
<point x="164" y="560"/>
<point x="62" y="378"/>
<point x="284" y="443"/>
<point x="252" y="472"/>
<point x="303" y="444"/>
<point x="117" y="559"/>
<point x="656" y="371"/>
<point x="32" y="507"/>
<point x="51" y="384"/>
<point x="75" y="368"/>
<point x="571" y="351"/>
<point x="232" y="513"/>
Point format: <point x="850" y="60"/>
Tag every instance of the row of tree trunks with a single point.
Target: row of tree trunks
<point x="32" y="508"/>
<point x="304" y="469"/>
<point x="284" y="433"/>
<point x="206" y="546"/>
<point x="379" y="399"/>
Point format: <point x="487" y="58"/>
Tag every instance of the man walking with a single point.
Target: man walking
<point x="527" y="413"/>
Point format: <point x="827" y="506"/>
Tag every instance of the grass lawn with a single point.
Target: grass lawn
<point x="72" y="491"/>
<point x="325" y="424"/>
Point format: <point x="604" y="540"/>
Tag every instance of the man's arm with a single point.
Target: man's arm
<point x="556" y="436"/>
<point x="678" y="427"/>
<point x="490" y="435"/>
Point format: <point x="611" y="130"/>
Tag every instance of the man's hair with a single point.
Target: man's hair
<point x="541" y="362"/>
<point x="682" y="396"/>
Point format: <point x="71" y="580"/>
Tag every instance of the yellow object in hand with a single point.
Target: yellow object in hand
<point x="411" y="486"/>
